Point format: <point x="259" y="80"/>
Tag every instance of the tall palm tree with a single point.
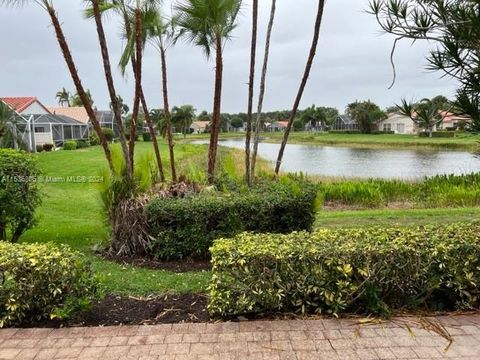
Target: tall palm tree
<point x="47" y="5"/>
<point x="115" y="105"/>
<point x="136" y="37"/>
<point x="63" y="97"/>
<point x="261" y="95"/>
<point x="308" y="68"/>
<point x="208" y="24"/>
<point x="251" y="83"/>
<point x="160" y="33"/>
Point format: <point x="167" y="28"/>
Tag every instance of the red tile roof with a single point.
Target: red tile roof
<point x="21" y="103"/>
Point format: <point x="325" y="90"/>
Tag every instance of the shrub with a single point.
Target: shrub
<point x="70" y="145"/>
<point x="186" y="227"/>
<point x="41" y="281"/>
<point x="19" y="192"/>
<point x="39" y="148"/>
<point x="109" y="134"/>
<point x="443" y="134"/>
<point x="48" y="147"/>
<point x="371" y="270"/>
<point x="83" y="143"/>
<point x="93" y="139"/>
<point x="146" y="136"/>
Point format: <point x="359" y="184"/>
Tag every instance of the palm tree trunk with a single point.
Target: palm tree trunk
<point x="62" y="42"/>
<point x="111" y="88"/>
<point x="313" y="49"/>
<point x="217" y="104"/>
<point x="262" y="87"/>
<point x="149" y="122"/>
<point x="251" y="83"/>
<point x="166" y="113"/>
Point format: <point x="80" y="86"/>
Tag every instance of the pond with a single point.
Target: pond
<point x="341" y="161"/>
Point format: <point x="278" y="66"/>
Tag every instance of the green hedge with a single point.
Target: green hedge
<point x="186" y="227"/>
<point x="41" y="281"/>
<point x="357" y="270"/>
<point x="70" y="145"/>
<point x="444" y="134"/>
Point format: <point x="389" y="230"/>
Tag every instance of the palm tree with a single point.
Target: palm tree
<point x="183" y="117"/>
<point x="63" y="97"/>
<point x="9" y="137"/>
<point x="124" y="109"/>
<point x="262" y="87"/>
<point x="208" y="24"/>
<point x="115" y="106"/>
<point x="133" y="54"/>
<point x="308" y="67"/>
<point x="82" y="94"/>
<point x="426" y="114"/>
<point x="251" y="83"/>
<point x="160" y="32"/>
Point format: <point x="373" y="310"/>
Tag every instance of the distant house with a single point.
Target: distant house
<point x="398" y="123"/>
<point x="75" y="112"/>
<point x="276" y="126"/>
<point x="452" y="121"/>
<point x="345" y="123"/>
<point x="38" y="126"/>
<point x="199" y="127"/>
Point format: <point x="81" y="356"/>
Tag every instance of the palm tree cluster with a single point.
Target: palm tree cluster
<point x="207" y="24"/>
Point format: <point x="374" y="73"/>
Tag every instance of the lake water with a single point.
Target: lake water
<point x="341" y="161"/>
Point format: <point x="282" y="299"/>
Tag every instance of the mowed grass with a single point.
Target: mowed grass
<point x="465" y="141"/>
<point x="71" y="213"/>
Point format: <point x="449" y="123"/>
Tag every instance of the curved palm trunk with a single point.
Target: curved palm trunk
<point x="262" y="87"/>
<point x="217" y="103"/>
<point x="62" y="42"/>
<point x="111" y="88"/>
<point x="166" y="112"/>
<point x="149" y="122"/>
<point x="251" y="83"/>
<point x="313" y="49"/>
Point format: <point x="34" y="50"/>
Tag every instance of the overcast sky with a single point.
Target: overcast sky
<point x="352" y="59"/>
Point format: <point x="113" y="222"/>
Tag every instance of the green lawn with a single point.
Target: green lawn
<point x="463" y="141"/>
<point x="71" y="213"/>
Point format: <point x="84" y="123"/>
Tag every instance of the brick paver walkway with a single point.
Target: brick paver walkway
<point x="402" y="338"/>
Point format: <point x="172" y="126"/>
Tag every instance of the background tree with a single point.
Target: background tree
<point x="63" y="97"/>
<point x="76" y="99"/>
<point x="426" y="114"/>
<point x="9" y="137"/>
<point x="454" y="26"/>
<point x="208" y="24"/>
<point x="236" y="122"/>
<point x="366" y="113"/>
<point x="160" y="31"/>
<point x="124" y="109"/>
<point x="313" y="117"/>
<point x="261" y="95"/>
<point x="308" y="67"/>
<point x="204" y="116"/>
<point x="182" y="117"/>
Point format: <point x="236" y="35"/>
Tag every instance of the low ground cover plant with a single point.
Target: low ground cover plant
<point x="42" y="281"/>
<point x="186" y="227"/>
<point x="369" y="270"/>
<point x="19" y="193"/>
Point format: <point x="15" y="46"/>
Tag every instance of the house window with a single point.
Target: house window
<point x="401" y="128"/>
<point x="387" y="127"/>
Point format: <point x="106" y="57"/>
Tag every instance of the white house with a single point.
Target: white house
<point x="398" y="123"/>
<point x="199" y="127"/>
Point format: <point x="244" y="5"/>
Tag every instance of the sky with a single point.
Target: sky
<point x="352" y="63"/>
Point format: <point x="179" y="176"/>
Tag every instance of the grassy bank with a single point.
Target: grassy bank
<point x="461" y="142"/>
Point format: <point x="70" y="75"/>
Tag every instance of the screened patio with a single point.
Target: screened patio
<point x="58" y="129"/>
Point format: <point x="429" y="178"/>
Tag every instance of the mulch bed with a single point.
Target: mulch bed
<point x="187" y="265"/>
<point x="127" y="310"/>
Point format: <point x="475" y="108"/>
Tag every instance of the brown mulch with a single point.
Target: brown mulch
<point x="128" y="310"/>
<point x="187" y="265"/>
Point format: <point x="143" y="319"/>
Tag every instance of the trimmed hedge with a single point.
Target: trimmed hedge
<point x="356" y="270"/>
<point x="41" y="281"/>
<point x="444" y="134"/>
<point x="70" y="145"/>
<point x="186" y="227"/>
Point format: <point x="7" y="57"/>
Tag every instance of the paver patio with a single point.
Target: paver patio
<point x="401" y="338"/>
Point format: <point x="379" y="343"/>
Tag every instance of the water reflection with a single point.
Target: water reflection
<point x="365" y="163"/>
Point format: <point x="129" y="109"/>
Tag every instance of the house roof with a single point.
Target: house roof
<point x="449" y="117"/>
<point x="283" y="123"/>
<point x="21" y="103"/>
<point x="346" y="119"/>
<point x="201" y="124"/>
<point x="75" y="112"/>
<point x="56" y="120"/>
